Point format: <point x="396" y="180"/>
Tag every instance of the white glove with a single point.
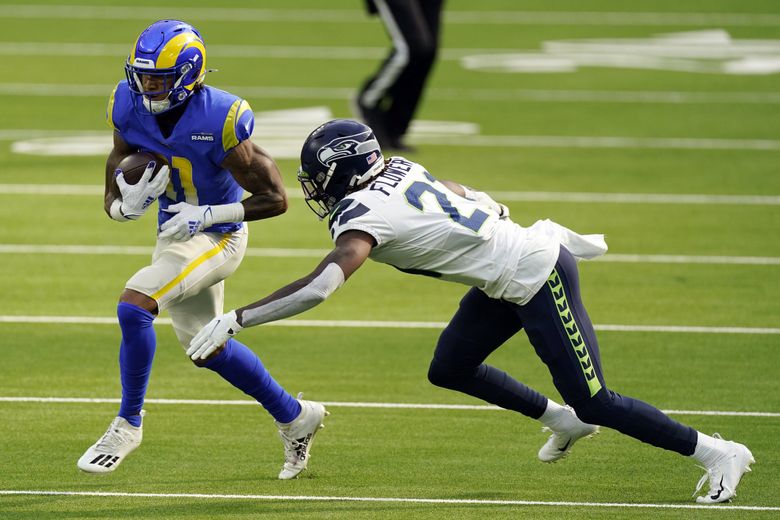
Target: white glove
<point x="137" y="197"/>
<point x="213" y="336"/>
<point x="481" y="197"/>
<point x="188" y="220"/>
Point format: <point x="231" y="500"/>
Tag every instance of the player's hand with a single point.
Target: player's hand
<point x="213" y="336"/>
<point x="187" y="221"/>
<point x="483" y="198"/>
<point x="137" y="197"/>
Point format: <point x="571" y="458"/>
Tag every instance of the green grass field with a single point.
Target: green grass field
<point x="670" y="156"/>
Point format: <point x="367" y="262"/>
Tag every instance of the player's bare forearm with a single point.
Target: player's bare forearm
<point x="256" y="172"/>
<point x="454" y="187"/>
<point x="111" y="191"/>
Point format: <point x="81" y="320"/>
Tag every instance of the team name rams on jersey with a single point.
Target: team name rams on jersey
<point x="202" y="137"/>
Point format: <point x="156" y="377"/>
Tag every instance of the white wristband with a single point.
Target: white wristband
<point x="116" y="211"/>
<point x="224" y="213"/>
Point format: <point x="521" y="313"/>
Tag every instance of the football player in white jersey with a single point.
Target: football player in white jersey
<point x="395" y="212"/>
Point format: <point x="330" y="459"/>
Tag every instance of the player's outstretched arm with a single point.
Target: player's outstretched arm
<point x="256" y="172"/>
<point x="352" y="249"/>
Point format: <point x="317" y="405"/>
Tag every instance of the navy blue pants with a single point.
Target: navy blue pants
<point x="562" y="335"/>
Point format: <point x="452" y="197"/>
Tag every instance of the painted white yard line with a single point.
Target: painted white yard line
<point x="396" y="500"/>
<point x="369" y="324"/>
<point x="477" y="94"/>
<point x="349" y="16"/>
<point x="338" y="404"/>
<point x="689" y="259"/>
<point x="519" y="141"/>
<point x="271" y="252"/>
<point x="504" y="196"/>
<point x="632" y="198"/>
<point x="147" y="251"/>
<point x="560" y="141"/>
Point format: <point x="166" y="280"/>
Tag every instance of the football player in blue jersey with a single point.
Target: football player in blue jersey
<point x="397" y="213"/>
<point x="203" y="133"/>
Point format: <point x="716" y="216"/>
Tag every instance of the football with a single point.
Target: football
<point x="134" y="165"/>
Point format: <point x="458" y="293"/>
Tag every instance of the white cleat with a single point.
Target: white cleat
<point x="725" y="473"/>
<point x="297" y="437"/>
<point x="564" y="436"/>
<point x="109" y="451"/>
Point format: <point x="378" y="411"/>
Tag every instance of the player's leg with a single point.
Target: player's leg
<point x="479" y="327"/>
<point x="136" y="313"/>
<point x="562" y="334"/>
<point x="234" y="362"/>
<point x="175" y="267"/>
<point x="298" y="420"/>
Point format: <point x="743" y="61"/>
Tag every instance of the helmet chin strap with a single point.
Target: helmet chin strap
<point x="155" y="107"/>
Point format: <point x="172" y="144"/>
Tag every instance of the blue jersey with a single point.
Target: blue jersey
<point x="212" y="124"/>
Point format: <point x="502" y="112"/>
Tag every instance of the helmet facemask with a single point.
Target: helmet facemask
<point x="314" y="192"/>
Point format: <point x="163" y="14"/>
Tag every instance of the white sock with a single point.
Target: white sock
<point x="708" y="449"/>
<point x="554" y="415"/>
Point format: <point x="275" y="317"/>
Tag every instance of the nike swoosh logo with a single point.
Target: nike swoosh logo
<point x="566" y="445"/>
<point x="717" y="495"/>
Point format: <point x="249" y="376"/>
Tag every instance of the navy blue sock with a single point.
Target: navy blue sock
<point x="241" y="367"/>
<point x="136" y="353"/>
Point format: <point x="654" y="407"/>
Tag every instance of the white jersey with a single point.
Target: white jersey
<point x="422" y="227"/>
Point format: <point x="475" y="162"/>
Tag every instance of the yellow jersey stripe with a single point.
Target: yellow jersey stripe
<point x="229" y="138"/>
<point x="110" y="109"/>
<point x="192" y="266"/>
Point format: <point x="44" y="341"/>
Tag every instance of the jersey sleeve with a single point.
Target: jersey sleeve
<point x="351" y="214"/>
<point x="238" y="126"/>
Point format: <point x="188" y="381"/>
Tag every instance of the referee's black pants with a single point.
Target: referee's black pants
<point x="390" y="97"/>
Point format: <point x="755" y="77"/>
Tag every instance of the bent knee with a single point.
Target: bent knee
<point x="445" y="375"/>
<point x="597" y="409"/>
<point x="139" y="300"/>
<point x="202" y="363"/>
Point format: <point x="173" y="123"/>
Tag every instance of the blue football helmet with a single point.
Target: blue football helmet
<point x="172" y="56"/>
<point x="337" y="159"/>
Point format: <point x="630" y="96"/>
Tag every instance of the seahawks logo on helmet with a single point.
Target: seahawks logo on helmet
<point x="345" y="147"/>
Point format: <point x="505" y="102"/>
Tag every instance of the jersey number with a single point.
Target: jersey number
<point x="180" y="187"/>
<point x="415" y="191"/>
